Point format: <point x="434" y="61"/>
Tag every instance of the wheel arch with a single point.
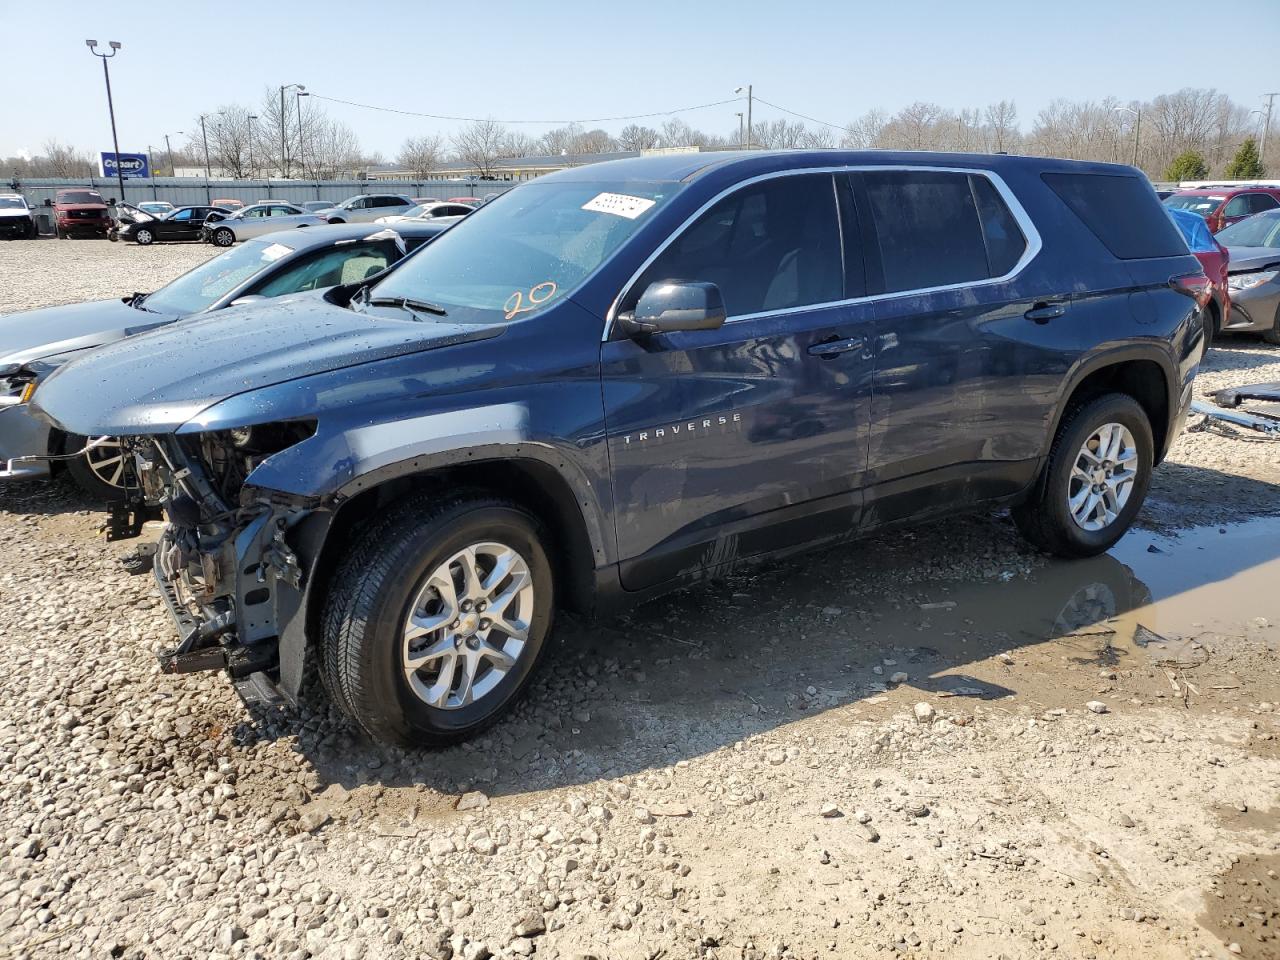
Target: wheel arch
<point x="1146" y="375"/>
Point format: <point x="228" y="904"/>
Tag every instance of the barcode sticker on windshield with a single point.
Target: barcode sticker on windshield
<point x="619" y="204"/>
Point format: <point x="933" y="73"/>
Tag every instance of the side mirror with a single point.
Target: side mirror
<point x="111" y="201"/>
<point x="247" y="298"/>
<point x="670" y="305"/>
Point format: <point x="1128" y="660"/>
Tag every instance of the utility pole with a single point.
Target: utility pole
<point x="252" y="168"/>
<point x="1266" y="127"/>
<point x="115" y="141"/>
<point x="169" y="149"/>
<point x="1137" y="133"/>
<point x="204" y="135"/>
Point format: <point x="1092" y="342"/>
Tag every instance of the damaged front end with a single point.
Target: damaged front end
<point x="224" y="563"/>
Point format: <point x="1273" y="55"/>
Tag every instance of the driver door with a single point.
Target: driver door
<point x="752" y="437"/>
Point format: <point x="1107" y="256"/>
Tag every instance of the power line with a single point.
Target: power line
<point x="436" y="116"/>
<point x="838" y="126"/>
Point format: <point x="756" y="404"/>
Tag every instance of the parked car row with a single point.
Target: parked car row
<point x="35" y="343"/>
<point x="1234" y="229"/>
<point x="612" y="382"/>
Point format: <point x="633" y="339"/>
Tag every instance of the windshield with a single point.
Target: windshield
<point x="198" y="289"/>
<point x="1262" y="230"/>
<point x="415" y="210"/>
<point x="12" y="203"/>
<point x="80" y="196"/>
<point x="526" y="251"/>
<point x="1196" y="204"/>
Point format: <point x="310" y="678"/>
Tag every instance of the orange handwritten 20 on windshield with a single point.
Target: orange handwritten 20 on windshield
<point x="519" y="303"/>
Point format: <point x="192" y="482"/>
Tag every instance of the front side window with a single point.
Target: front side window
<point x="183" y="215"/>
<point x="200" y="288"/>
<point x="929" y="229"/>
<point x="348" y="263"/>
<point x="516" y="257"/>
<point x="770" y="246"/>
<point x="1237" y="207"/>
<point x="254" y="212"/>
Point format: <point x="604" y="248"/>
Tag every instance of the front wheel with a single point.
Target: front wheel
<point x="101" y="472"/>
<point x="336" y="220"/>
<point x="1273" y="335"/>
<point x="434" y="623"/>
<point x="223" y="237"/>
<point x="1095" y="480"/>
<point x="144" y="237"/>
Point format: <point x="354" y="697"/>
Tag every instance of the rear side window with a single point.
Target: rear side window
<point x="937" y="228"/>
<point x="1121" y="211"/>
<point x="1260" y="202"/>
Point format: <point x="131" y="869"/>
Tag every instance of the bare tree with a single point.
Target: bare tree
<point x="819" y="138"/>
<point x="635" y="137"/>
<point x="422" y="156"/>
<point x="1002" y="124"/>
<point x="481" y="144"/>
<point x="63" y="160"/>
<point x="865" y="131"/>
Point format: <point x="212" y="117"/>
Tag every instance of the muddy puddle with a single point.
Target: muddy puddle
<point x="1165" y="600"/>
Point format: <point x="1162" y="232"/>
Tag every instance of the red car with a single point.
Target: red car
<point x="1213" y="258"/>
<point x="80" y="212"/>
<point x="1221" y="206"/>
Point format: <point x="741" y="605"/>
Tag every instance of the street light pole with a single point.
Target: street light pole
<point x="252" y="117"/>
<point x="742" y="144"/>
<point x="749" y="104"/>
<point x="111" y="109"/>
<point x="284" y="159"/>
<point x="298" y="95"/>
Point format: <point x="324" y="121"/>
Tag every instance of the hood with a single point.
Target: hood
<point x="156" y="383"/>
<point x="14" y="212"/>
<point x="1245" y="259"/>
<point x="100" y="207"/>
<point x="54" y="330"/>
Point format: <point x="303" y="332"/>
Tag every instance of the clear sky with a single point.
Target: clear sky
<point x="571" y="59"/>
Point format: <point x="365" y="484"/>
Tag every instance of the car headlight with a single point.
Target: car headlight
<point x="1247" y="281"/>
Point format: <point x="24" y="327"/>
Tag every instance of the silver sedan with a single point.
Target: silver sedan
<point x="256" y="220"/>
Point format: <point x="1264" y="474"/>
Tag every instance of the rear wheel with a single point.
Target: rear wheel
<point x="102" y="471"/>
<point x="1096" y="478"/>
<point x="435" y="622"/>
<point x="1212" y="320"/>
<point x="223" y="237"/>
<point x="336" y="220"/>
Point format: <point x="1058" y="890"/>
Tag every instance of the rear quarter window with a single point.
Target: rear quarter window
<point x="1120" y="211"/>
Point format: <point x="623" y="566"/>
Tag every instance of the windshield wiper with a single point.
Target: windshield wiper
<point x="407" y="303"/>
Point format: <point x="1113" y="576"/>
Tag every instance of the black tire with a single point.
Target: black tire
<point x="144" y="237"/>
<point x="1212" y="322"/>
<point x="62" y="234"/>
<point x="87" y="479"/>
<point x="1045" y="518"/>
<point x="33" y="232"/>
<point x="368" y="603"/>
<point x="336" y="220"/>
<point x="223" y="237"/>
<point x="1273" y="335"/>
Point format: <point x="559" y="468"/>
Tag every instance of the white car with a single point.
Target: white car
<point x="256" y="220"/>
<point x="368" y="207"/>
<point x="429" y="211"/>
<point x="157" y="208"/>
<point x="16" y="219"/>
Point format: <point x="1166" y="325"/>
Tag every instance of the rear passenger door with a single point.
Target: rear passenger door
<point x="968" y="354"/>
<point x="749" y="438"/>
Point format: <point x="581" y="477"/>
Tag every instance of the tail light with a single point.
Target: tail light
<point x="1195" y="285"/>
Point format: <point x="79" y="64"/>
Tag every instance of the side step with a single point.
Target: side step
<point x="258" y="690"/>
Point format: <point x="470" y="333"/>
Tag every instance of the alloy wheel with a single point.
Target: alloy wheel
<point x="468" y="625"/>
<point x="107" y="460"/>
<point x="1102" y="477"/>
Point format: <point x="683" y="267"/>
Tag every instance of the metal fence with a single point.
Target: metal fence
<point x="181" y="191"/>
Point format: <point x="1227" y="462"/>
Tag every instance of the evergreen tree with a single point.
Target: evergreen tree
<point x="1188" y="165"/>
<point x="1246" y="164"/>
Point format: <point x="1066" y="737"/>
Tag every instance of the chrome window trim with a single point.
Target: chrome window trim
<point x="1020" y="216"/>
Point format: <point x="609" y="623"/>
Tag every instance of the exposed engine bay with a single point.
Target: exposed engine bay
<point x="223" y="557"/>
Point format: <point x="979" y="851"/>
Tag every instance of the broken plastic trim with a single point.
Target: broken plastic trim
<point x="1260" y="422"/>
<point x="49" y="457"/>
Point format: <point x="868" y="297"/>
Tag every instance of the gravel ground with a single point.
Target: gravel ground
<point x="934" y="743"/>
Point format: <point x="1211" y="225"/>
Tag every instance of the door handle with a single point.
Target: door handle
<point x="1044" y="312"/>
<point x="833" y="348"/>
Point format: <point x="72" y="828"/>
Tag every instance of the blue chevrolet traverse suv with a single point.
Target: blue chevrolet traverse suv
<point x="623" y="378"/>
